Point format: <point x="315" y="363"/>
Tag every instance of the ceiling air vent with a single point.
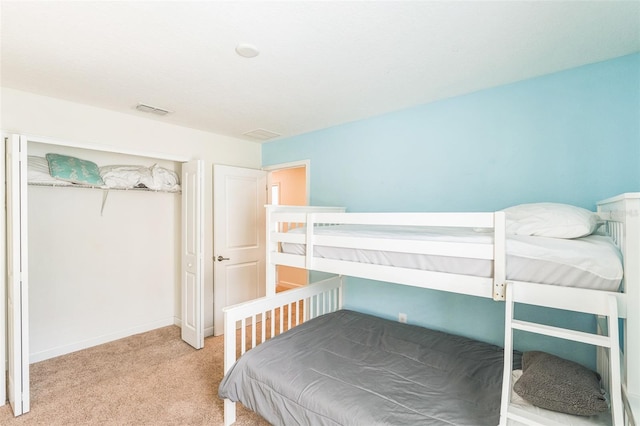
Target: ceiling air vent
<point x="262" y="134"/>
<point x="152" y="109"/>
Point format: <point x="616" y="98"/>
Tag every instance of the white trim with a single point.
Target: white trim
<point x="289" y="165"/>
<point x="3" y="283"/>
<point x="105" y="338"/>
<point x="207" y="332"/>
<point x="106" y="148"/>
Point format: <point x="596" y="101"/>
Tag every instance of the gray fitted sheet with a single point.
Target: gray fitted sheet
<point x="349" y="368"/>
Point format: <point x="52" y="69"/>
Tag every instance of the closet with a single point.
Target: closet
<point x="98" y="264"/>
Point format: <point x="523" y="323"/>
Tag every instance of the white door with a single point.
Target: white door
<point x="17" y="285"/>
<point x="239" y="198"/>
<point x="192" y="249"/>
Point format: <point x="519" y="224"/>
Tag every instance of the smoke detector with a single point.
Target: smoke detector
<point x="247" y="50"/>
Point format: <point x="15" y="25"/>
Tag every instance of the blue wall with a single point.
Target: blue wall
<point x="570" y="137"/>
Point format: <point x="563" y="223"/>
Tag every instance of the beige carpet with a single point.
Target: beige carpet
<point x="152" y="378"/>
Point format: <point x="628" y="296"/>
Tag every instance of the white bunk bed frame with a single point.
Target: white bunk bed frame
<point x="621" y="374"/>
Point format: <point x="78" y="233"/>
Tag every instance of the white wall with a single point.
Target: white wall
<point x="56" y="119"/>
<point x="100" y="271"/>
<point x="97" y="277"/>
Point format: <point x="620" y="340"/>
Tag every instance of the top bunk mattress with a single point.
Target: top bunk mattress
<point x="591" y="262"/>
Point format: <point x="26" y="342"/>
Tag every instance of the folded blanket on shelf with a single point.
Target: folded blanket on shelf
<point x="154" y="177"/>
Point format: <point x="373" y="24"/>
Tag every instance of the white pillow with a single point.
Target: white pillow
<point x="552" y="220"/>
<point x="38" y="172"/>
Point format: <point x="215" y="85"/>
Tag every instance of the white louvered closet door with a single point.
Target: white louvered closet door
<point x="17" y="286"/>
<point x="192" y="254"/>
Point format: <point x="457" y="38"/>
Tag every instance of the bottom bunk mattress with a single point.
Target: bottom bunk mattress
<point x="351" y="368"/>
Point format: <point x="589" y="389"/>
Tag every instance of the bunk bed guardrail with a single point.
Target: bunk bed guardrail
<point x="251" y="323"/>
<point x="281" y="219"/>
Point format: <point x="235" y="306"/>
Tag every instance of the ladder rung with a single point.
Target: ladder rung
<point x="562" y="333"/>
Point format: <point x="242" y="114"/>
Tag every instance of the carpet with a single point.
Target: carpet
<point x="152" y="378"/>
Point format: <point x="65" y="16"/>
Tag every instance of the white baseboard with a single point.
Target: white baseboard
<point x="208" y="331"/>
<point x="84" y="344"/>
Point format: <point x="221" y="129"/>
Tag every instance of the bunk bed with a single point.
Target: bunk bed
<point x="306" y="237"/>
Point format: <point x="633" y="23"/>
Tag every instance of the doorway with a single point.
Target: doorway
<point x="288" y="185"/>
<point x="239" y="197"/>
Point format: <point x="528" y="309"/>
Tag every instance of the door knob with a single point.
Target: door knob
<point x="220" y="258"/>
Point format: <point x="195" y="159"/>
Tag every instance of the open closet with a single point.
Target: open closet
<point x="93" y="262"/>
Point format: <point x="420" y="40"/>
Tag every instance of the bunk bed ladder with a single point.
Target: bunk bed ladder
<point x="510" y="411"/>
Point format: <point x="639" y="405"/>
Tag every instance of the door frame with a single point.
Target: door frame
<point x="3" y="280"/>
<point x="284" y="166"/>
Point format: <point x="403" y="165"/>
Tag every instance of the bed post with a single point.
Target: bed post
<point x="271" y="271"/>
<point x="505" y="400"/>
<point x="500" y="255"/>
<point x="229" y="360"/>
<point x="626" y="208"/>
<point x="632" y="289"/>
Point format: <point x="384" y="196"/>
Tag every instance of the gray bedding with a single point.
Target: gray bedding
<point x="349" y="368"/>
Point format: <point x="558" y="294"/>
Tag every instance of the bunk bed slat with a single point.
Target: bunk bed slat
<point x="464" y="284"/>
<point x="253" y="331"/>
<point x="589" y="301"/>
<point x="287" y="237"/>
<point x="273" y="321"/>
<point x="243" y="336"/>
<point x="288" y="259"/>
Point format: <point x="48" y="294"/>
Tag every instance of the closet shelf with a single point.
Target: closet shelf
<point x="75" y="185"/>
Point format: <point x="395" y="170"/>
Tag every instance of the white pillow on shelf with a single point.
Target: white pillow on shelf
<point x="38" y="172"/>
<point x="554" y="220"/>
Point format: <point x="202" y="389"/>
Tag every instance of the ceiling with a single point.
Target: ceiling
<point x="321" y="63"/>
